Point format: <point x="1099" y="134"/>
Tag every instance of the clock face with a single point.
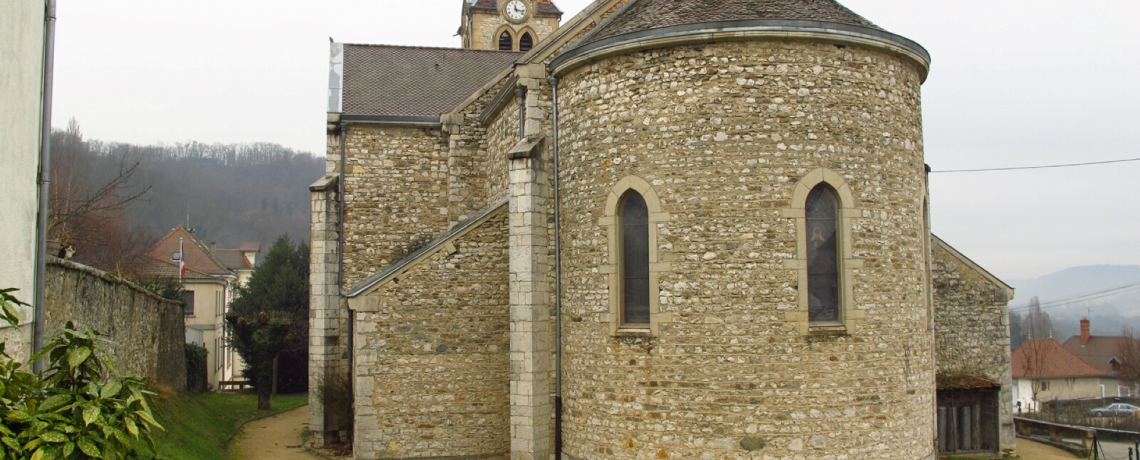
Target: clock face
<point x="516" y="10"/>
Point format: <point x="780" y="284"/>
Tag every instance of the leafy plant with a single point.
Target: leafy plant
<point x="8" y="304"/>
<point x="196" y="367"/>
<point x="79" y="407"/>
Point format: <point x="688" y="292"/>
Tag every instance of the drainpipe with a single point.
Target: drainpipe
<point x="557" y="274"/>
<point x="45" y="182"/>
<point x="928" y="248"/>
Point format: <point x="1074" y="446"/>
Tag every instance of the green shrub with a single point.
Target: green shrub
<point x="79" y="407"/>
<point x="196" y="367"/>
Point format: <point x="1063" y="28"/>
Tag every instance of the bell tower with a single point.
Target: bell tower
<point x="507" y="25"/>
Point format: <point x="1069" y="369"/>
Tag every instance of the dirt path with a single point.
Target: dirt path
<point x="274" y="438"/>
<point x="1029" y="450"/>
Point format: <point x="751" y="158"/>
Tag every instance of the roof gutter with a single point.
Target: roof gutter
<point x="401" y="120"/>
<point x="45" y="182"/>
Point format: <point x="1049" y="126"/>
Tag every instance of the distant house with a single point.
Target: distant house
<point x="1043" y="370"/>
<point x="241" y="261"/>
<point x="1102" y="352"/>
<point x="210" y="279"/>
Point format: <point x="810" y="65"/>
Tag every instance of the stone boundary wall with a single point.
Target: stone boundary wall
<point x="146" y="332"/>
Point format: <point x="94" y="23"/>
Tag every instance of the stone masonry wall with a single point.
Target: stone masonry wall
<point x="722" y="132"/>
<point x="502" y="134"/>
<point x="147" y="332"/>
<point x="432" y="364"/>
<point x="971" y="318"/>
<point x="328" y="313"/>
<point x="396" y="197"/>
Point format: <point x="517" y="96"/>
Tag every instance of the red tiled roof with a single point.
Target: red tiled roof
<point x="1097" y="352"/>
<point x="415" y="81"/>
<point x="651" y="14"/>
<point x="542" y="6"/>
<point x="149" y="267"/>
<point x="1045" y="358"/>
<point x="197" y="255"/>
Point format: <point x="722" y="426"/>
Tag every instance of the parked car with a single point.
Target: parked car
<point x="1114" y="410"/>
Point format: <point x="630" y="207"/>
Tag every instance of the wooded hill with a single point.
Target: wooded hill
<point x="228" y="193"/>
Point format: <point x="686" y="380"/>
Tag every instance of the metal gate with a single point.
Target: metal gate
<point x="967" y="420"/>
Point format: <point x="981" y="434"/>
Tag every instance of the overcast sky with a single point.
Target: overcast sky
<point x="1013" y="83"/>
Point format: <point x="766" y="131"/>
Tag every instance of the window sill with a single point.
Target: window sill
<point x="633" y="332"/>
<point x="827" y="329"/>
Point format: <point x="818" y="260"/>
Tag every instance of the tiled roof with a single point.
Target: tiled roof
<point x="1045" y="358"/>
<point x="149" y="267"/>
<point x="1097" y="352"/>
<point x="964" y="382"/>
<point x="542" y="6"/>
<point x="197" y="254"/>
<point x="651" y="14"/>
<point x="249" y="246"/>
<point x="415" y="81"/>
<point x="233" y="259"/>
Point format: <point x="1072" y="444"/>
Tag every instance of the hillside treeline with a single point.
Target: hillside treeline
<point x="228" y="193"/>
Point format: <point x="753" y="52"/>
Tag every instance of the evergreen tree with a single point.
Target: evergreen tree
<point x="269" y="320"/>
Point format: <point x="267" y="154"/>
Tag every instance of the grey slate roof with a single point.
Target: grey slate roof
<point x="233" y="259"/>
<point x="415" y="81"/>
<point x="651" y="14"/>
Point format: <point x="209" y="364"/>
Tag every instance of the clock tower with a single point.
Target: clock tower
<point x="507" y="25"/>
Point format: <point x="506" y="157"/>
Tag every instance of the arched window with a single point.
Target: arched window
<point x="506" y="42"/>
<point x="634" y="215"/>
<point x="822" y="218"/>
<point x="526" y="42"/>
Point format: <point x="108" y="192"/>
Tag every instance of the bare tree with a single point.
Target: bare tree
<point x="88" y="199"/>
<point x="1033" y="357"/>
<point x="1128" y="351"/>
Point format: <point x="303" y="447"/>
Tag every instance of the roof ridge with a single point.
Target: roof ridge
<point x="444" y="48"/>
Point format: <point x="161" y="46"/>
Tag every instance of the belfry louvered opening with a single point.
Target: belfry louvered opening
<point x="526" y="42"/>
<point x="506" y="42"/>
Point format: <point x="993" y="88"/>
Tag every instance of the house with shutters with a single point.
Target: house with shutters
<point x="661" y="229"/>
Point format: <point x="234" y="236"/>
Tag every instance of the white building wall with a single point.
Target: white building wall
<point x="21" y="77"/>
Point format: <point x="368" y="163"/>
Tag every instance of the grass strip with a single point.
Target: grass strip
<point x="199" y="427"/>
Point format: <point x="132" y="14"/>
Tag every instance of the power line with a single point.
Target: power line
<point x="1084" y="297"/>
<point x="1071" y="302"/>
<point x="1018" y="168"/>
<point x="1079" y="297"/>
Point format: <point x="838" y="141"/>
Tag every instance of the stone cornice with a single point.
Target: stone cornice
<point x="740" y="30"/>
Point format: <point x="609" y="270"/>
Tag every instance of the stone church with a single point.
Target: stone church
<point x="670" y="229"/>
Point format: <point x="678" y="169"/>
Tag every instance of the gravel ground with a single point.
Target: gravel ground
<point x="1029" y="450"/>
<point x="274" y="438"/>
